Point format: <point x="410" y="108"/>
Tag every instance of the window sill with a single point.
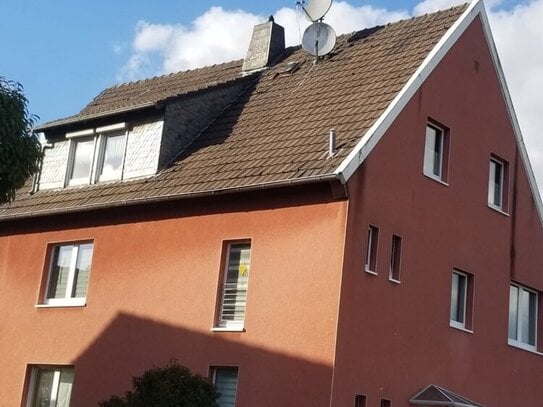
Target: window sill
<point x="436" y="179"/>
<point x="393" y="280"/>
<point x="455" y="325"/>
<point x="373" y="273"/>
<point x="226" y="329"/>
<point x="523" y="346"/>
<point x="67" y="304"/>
<point x="497" y="209"/>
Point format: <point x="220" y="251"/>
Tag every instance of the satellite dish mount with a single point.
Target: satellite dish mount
<point x="319" y="38"/>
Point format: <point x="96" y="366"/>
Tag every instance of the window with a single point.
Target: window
<point x="226" y="381"/>
<point x="395" y="257"/>
<point x="359" y="400"/>
<point x="385" y="403"/>
<point x="50" y="386"/>
<point x="436" y="152"/>
<point x="371" y="249"/>
<point x="523" y="304"/>
<point x="68" y="274"/>
<point x="461" y="300"/>
<point x="83" y="155"/>
<point x="97" y="154"/>
<point x="497" y="187"/>
<point x="111" y="157"/>
<point x="234" y="286"/>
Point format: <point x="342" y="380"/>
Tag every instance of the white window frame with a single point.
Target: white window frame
<point x="102" y="143"/>
<point x="34" y="372"/>
<point x="372" y="245"/>
<point x="71" y="162"/>
<point x="66" y="300"/>
<point x="466" y="281"/>
<point x="99" y="136"/>
<point x="216" y="369"/>
<point x="518" y="342"/>
<point x="428" y="159"/>
<point x="226" y="324"/>
<point x="502" y="165"/>
<point x="395" y="259"/>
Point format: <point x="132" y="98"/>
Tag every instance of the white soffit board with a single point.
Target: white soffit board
<point x="372" y="136"/>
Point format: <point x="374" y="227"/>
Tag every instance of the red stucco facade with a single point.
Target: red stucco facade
<point x="318" y="328"/>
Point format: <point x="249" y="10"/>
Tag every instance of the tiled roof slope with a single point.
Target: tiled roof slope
<point x="276" y="132"/>
<point x="154" y="90"/>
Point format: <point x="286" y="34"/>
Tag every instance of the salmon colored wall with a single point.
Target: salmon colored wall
<point x="151" y="298"/>
<point x="394" y="339"/>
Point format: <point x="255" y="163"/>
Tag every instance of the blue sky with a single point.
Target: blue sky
<point x="65" y="52"/>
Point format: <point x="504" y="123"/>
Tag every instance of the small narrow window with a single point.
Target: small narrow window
<point x="111" y="157"/>
<point x="233" y="299"/>
<point x="50" y="386"/>
<point x="436" y="152"/>
<point x="523" y="304"/>
<point x="82" y="160"/>
<point x="359" y="400"/>
<point x="371" y="249"/>
<point x="395" y="258"/>
<point x="497" y="186"/>
<point x="461" y="300"/>
<point x="385" y="403"/>
<point x="68" y="274"/>
<point x="226" y="381"/>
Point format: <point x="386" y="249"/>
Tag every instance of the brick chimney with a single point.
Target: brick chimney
<point x="267" y="43"/>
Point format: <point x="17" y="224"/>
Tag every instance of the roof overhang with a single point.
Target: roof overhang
<point x="374" y="134"/>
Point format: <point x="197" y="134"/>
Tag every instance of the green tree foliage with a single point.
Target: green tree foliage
<point x="170" y="386"/>
<point x="20" y="150"/>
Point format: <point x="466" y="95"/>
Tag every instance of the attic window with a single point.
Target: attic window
<point x="96" y="155"/>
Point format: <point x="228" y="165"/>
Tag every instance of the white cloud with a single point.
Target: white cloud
<point x="221" y="35"/>
<point x="518" y="36"/>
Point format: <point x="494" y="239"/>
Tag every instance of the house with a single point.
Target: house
<point x="362" y="231"/>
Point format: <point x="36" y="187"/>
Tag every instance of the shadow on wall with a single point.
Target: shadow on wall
<point x="130" y="345"/>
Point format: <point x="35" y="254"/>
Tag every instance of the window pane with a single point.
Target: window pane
<point x="433" y="151"/>
<point x="84" y="151"/>
<point x="58" y="279"/>
<point x="113" y="157"/>
<point x="527" y="316"/>
<point x="495" y="183"/>
<point x="65" y="388"/>
<point x="234" y="296"/>
<point x="81" y="277"/>
<point x="458" y="298"/>
<point x="513" y="312"/>
<point x="226" y="380"/>
<point x="44" y="388"/>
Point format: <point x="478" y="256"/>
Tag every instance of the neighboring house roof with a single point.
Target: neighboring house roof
<point x="433" y="395"/>
<point x="276" y="132"/>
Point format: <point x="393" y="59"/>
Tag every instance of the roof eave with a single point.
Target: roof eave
<point x="165" y="198"/>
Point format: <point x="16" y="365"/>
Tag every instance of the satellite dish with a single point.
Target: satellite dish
<point x="318" y="39"/>
<point x="315" y="10"/>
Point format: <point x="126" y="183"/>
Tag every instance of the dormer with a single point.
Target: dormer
<point x="134" y="130"/>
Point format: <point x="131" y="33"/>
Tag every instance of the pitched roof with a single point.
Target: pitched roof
<point x="150" y="92"/>
<point x="433" y="395"/>
<point x="276" y="132"/>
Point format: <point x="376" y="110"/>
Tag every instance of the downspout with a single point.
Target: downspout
<point x="37" y="176"/>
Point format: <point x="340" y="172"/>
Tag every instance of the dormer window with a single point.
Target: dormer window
<point x="96" y="155"/>
<point x="83" y="153"/>
<point x="111" y="157"/>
